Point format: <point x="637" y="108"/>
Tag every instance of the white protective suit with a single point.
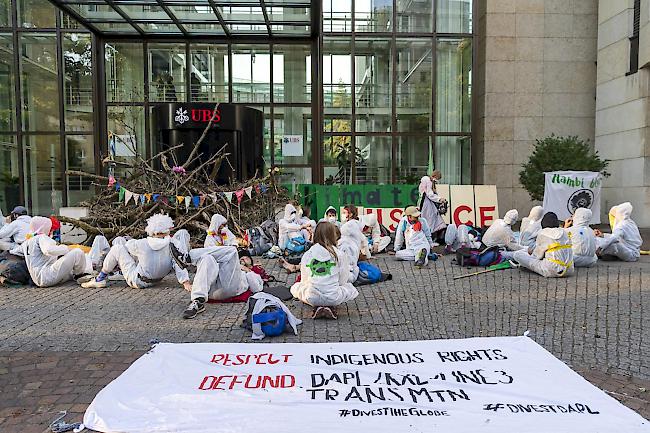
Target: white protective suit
<point x="146" y="261"/>
<point x="583" y="239"/>
<point x="288" y="227"/>
<point x="459" y="237"/>
<point x="552" y="256"/>
<point x="373" y="232"/>
<point x="500" y="233"/>
<point x="324" y="280"/>
<point x="301" y="220"/>
<point x="219" y="238"/>
<point x="100" y="249"/>
<point x="412" y="240"/>
<point x="625" y="241"/>
<point x="351" y="243"/>
<point x="14" y="233"/>
<point x="49" y="263"/>
<point x="530" y="226"/>
<point x="332" y="220"/>
<point x="219" y="275"/>
<point x="427" y="204"/>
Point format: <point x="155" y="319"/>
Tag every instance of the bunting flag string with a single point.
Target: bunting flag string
<point x="228" y="196"/>
<point x="188" y="199"/>
<point x="239" y="194"/>
<point x="249" y="191"/>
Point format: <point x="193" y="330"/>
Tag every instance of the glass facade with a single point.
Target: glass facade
<point x="382" y="93"/>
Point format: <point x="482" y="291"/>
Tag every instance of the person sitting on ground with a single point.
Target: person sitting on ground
<point x="331" y="217"/>
<point x="144" y="262"/>
<point x="14" y="232"/>
<point x="372" y="231"/>
<point x="582" y="237"/>
<point x="461" y="236"/>
<point x="324" y="274"/>
<point x="413" y="233"/>
<point x="552" y="255"/>
<point x="303" y="217"/>
<point x="48" y="263"/>
<point x="290" y="236"/>
<point x="350" y="212"/>
<point x="221" y="276"/>
<point x="219" y="235"/>
<point x="625" y="241"/>
<point x="351" y="243"/>
<point x="530" y="226"/>
<point x="500" y="234"/>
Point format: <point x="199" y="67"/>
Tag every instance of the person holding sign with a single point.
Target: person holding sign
<point x="530" y="226"/>
<point x="552" y="256"/>
<point x="219" y="235"/>
<point x="500" y="234"/>
<point x="414" y="235"/>
<point x="582" y="238"/>
<point x="625" y="241"/>
<point x="324" y="274"/>
<point x="429" y="202"/>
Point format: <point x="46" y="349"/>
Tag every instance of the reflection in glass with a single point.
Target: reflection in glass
<point x="414" y="103"/>
<point x="251" y="73"/>
<point x="9" y="174"/>
<point x="453" y="159"/>
<point x="337" y="75"/>
<point x="124" y="72"/>
<point x="291" y="73"/>
<point x="167" y="66"/>
<point x="454" y="85"/>
<point x="373" y="15"/>
<point x="5" y="13"/>
<point x="454" y="16"/>
<point x="413" y="155"/>
<point x="209" y="74"/>
<point x="295" y="175"/>
<point x="337" y="159"/>
<point x="374" y="156"/>
<point x="337" y="15"/>
<point x="36" y="14"/>
<point x="78" y="85"/>
<point x="80" y="157"/>
<point x="126" y="128"/>
<point x="415" y="16"/>
<point x="42" y="160"/>
<point x="39" y="79"/>
<point x="7" y="101"/>
<point x="372" y="73"/>
<point x="291" y="124"/>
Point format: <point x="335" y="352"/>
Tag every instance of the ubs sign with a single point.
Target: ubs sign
<point x="197" y="115"/>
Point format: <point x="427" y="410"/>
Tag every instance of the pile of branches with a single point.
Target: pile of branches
<point x="109" y="216"/>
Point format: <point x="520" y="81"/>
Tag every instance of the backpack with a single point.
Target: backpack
<point x="270" y="230"/>
<point x="473" y="257"/>
<point x="368" y="274"/>
<point x="258" y="243"/>
<point x="296" y="245"/>
<point x="13" y="270"/>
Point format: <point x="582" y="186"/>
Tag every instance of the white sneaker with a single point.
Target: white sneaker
<point x="116" y="276"/>
<point x="85" y="278"/>
<point x="94" y="284"/>
<point x="436" y="244"/>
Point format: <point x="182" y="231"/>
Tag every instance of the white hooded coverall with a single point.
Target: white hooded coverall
<point x="332" y="220"/>
<point x="552" y="256"/>
<point x="14" y="233"/>
<point x="374" y="237"/>
<point x="301" y="220"/>
<point x="351" y="243"/>
<point x="500" y="233"/>
<point x="288" y="227"/>
<point x="323" y="279"/>
<point x="413" y="241"/>
<point x="625" y="241"/>
<point x="49" y="263"/>
<point x="219" y="238"/>
<point x="458" y="237"/>
<point x="583" y="239"/>
<point x="530" y="226"/>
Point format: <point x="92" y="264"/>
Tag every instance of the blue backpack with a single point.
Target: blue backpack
<point x="471" y="257"/>
<point x="296" y="245"/>
<point x="369" y="272"/>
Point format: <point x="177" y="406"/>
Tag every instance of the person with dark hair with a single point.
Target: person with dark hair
<point x="15" y="231"/>
<point x="350" y="212"/>
<point x="324" y="273"/>
<point x="331" y="217"/>
<point x="552" y="255"/>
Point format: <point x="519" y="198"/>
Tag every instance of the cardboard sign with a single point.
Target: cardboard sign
<point x="491" y="385"/>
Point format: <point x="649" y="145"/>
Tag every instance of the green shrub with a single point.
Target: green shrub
<point x="558" y="154"/>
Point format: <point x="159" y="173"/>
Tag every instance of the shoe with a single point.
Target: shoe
<point x="196" y="306"/>
<point x="436" y="244"/>
<point x="183" y="259"/>
<point x="116" y="276"/>
<point x="84" y="278"/>
<point x="94" y="284"/>
<point x="421" y="258"/>
<point x="329" y="313"/>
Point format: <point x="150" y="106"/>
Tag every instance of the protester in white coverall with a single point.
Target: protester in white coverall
<point x="289" y="228"/>
<point x="49" y="263"/>
<point x="303" y="217"/>
<point x="330" y="217"/>
<point x="324" y="274"/>
<point x="219" y="235"/>
<point x="13" y="233"/>
<point x="625" y="241"/>
<point x="530" y="226"/>
<point x="372" y="230"/>
<point x="351" y="243"/>
<point x="457" y="237"/>
<point x="582" y="239"/>
<point x="500" y="234"/>
<point x="144" y="262"/>
<point x="552" y="255"/>
<point x="413" y="233"/>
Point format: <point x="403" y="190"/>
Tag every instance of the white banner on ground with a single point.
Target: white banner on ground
<point x="565" y="191"/>
<point x="499" y="384"/>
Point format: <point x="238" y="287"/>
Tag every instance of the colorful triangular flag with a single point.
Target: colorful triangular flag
<point x="264" y="188"/>
<point x="136" y="198"/>
<point x="240" y="195"/>
<point x="180" y="198"/>
<point x="111" y="181"/>
<point x="228" y="196"/>
<point x="121" y="195"/>
<point x="156" y="197"/>
<point x="202" y="200"/>
<point x="258" y="189"/>
<point x="128" y="195"/>
<point x="188" y="199"/>
<point x="196" y="200"/>
<point x="148" y="196"/>
<point x="249" y="191"/>
<point x="213" y="196"/>
<point x="142" y="198"/>
<point x="117" y="186"/>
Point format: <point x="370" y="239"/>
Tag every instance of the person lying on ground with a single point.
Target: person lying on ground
<point x="413" y="234"/>
<point x="219" y="235"/>
<point x="625" y="241"/>
<point x="582" y="237"/>
<point x="14" y="232"/>
<point x="460" y="236"/>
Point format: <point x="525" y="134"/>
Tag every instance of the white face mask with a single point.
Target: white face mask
<point x="300" y="213"/>
<point x="331" y="219"/>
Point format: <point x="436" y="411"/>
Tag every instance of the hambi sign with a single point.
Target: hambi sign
<point x="501" y="384"/>
<point x="565" y="191"/>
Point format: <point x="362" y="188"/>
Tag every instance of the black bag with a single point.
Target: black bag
<point x="270" y="230"/>
<point x="13" y="270"/>
<point x="442" y="206"/>
<point x="258" y="241"/>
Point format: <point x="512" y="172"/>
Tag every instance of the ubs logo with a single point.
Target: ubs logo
<point x="181" y="116"/>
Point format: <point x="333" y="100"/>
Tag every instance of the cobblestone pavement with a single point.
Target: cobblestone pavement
<point x="60" y="346"/>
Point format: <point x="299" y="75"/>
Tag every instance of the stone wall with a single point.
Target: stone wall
<point x="535" y="75"/>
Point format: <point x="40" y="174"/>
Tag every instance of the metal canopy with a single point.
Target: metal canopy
<point x="194" y="18"/>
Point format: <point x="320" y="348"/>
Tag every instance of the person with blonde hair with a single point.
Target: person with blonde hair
<point x="324" y="274"/>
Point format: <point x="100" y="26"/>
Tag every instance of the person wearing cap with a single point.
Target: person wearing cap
<point x="144" y="262"/>
<point x="14" y="233"/>
<point x="500" y="234"/>
<point x="413" y="233"/>
<point x="625" y="241"/>
<point x="552" y="256"/>
<point x="49" y="263"/>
